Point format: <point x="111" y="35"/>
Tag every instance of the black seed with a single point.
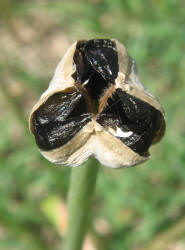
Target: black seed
<point x="103" y="57"/>
<point x="132" y="114"/>
<point x="59" y="119"/>
<point x="96" y="62"/>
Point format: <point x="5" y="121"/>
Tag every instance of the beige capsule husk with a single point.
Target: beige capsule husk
<point x="93" y="140"/>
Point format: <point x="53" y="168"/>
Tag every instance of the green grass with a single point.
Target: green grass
<point x="142" y="206"/>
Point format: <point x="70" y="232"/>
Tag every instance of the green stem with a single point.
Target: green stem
<point x="82" y="184"/>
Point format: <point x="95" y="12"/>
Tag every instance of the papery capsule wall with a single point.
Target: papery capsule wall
<point x="91" y="108"/>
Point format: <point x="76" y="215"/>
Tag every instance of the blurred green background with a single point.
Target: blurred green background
<point x="141" y="208"/>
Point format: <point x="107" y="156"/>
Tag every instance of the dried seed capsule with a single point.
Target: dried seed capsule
<point x="96" y="106"/>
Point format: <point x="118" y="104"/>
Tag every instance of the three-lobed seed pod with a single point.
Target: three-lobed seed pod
<point x="96" y="106"/>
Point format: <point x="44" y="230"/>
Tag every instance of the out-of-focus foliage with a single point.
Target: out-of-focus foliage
<point x="136" y="208"/>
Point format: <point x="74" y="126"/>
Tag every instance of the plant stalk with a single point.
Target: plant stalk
<point x="82" y="185"/>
